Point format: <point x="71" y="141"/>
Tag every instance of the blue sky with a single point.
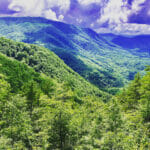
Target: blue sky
<point x="115" y="16"/>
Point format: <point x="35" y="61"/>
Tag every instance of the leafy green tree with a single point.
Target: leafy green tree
<point x="59" y="132"/>
<point x="33" y="95"/>
<point x="145" y="97"/>
<point x="131" y="95"/>
<point x="114" y="116"/>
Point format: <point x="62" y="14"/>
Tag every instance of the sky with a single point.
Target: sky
<point x="128" y="17"/>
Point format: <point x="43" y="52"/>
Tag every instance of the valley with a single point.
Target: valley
<point x="63" y="87"/>
<point x="102" y="60"/>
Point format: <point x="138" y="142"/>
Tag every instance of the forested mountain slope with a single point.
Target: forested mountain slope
<point x="44" y="61"/>
<point x="38" y="112"/>
<point x="103" y="62"/>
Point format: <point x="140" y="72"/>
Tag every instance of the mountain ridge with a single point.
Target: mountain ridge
<point x="44" y="61"/>
<point x="96" y="58"/>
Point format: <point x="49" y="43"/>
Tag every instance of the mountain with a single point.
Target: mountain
<point x="44" y="61"/>
<point x="137" y="45"/>
<point x="101" y="59"/>
<point x="57" y="110"/>
<point x="37" y="111"/>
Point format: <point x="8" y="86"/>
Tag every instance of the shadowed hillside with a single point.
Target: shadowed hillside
<point x="100" y="59"/>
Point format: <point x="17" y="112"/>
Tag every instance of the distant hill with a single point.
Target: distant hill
<point x="101" y="59"/>
<point x="137" y="45"/>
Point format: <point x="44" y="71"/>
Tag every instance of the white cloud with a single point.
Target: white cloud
<point x="127" y="29"/>
<point x="92" y="25"/>
<point x="103" y="30"/>
<point x="88" y="2"/>
<point x="118" y="11"/>
<point x="134" y="29"/>
<point x="136" y="5"/>
<point x="79" y="20"/>
<point x="114" y="12"/>
<point x="62" y="4"/>
<point x="61" y="17"/>
<point x="39" y="8"/>
<point x="34" y="7"/>
<point x="49" y="14"/>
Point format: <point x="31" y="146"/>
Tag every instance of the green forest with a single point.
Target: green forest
<point x="107" y="61"/>
<point x="45" y="105"/>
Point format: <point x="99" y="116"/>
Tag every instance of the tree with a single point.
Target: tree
<point x="59" y="132"/>
<point x="145" y="97"/>
<point x="131" y="96"/>
<point x="33" y="95"/>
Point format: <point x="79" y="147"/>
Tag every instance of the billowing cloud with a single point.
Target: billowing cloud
<point x="63" y="5"/>
<point x="137" y="5"/>
<point x="114" y="12"/>
<point x="49" y="14"/>
<point x="43" y="8"/>
<point x="116" y="15"/>
<point x="133" y="28"/>
<point x="61" y="17"/>
<point x="88" y="2"/>
<point x="119" y="11"/>
<point x="127" y="29"/>
<point x="24" y="8"/>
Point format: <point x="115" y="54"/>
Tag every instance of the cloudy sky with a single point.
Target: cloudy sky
<point x="116" y="16"/>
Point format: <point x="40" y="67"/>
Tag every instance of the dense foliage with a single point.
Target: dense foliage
<point x="45" y="112"/>
<point x="45" y="61"/>
<point x="100" y="59"/>
<point x="38" y="112"/>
